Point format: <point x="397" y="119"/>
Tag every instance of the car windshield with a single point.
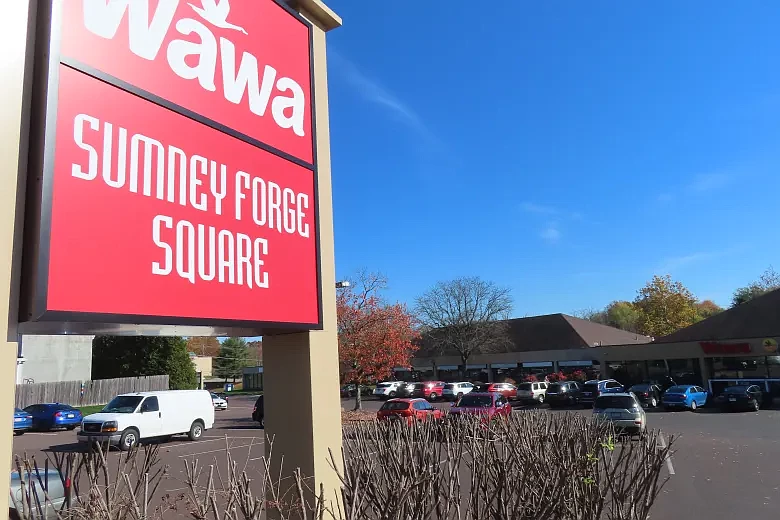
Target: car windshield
<point x="476" y="401"/>
<point x="592" y="385"/>
<point x="17" y="410"/>
<point x="395" y="405"/>
<point x="419" y="386"/>
<point x="123" y="404"/>
<point x="383" y="385"/>
<point x="735" y="390"/>
<point x="524" y="386"/>
<point x="622" y="402"/>
<point x="555" y="387"/>
<point x="678" y="390"/>
<point x="640" y="388"/>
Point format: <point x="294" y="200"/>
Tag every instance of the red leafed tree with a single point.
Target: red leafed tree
<point x="374" y="336"/>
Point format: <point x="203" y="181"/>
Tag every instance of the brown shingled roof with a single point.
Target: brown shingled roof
<point x="560" y="332"/>
<point x="758" y="318"/>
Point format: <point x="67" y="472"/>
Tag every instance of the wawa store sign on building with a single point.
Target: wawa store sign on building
<point x="178" y="170"/>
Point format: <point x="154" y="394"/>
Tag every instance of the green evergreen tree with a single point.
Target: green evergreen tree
<point x="233" y="357"/>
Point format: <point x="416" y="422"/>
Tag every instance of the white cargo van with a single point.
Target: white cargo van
<point x="129" y="418"/>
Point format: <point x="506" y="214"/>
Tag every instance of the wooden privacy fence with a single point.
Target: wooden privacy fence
<point x="99" y="391"/>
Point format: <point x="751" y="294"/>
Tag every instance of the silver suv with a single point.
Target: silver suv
<point x="532" y="391"/>
<point x="624" y="411"/>
<point x="454" y="391"/>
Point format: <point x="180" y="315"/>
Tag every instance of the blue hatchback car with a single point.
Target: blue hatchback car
<point x="23" y="421"/>
<point x="684" y="397"/>
<point x="54" y="415"/>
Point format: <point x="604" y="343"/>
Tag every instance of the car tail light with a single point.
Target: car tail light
<point x="30" y="417"/>
<point x="58" y="414"/>
<point x="254" y="409"/>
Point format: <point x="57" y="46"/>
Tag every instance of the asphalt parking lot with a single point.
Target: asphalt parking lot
<point x="725" y="465"/>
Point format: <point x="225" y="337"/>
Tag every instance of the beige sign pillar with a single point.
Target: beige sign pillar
<point x="301" y="371"/>
<point x="15" y="62"/>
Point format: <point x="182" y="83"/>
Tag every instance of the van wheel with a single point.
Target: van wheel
<point x="392" y="395"/>
<point x="196" y="431"/>
<point x="129" y="439"/>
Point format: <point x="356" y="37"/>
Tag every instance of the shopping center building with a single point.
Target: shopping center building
<point x="737" y="345"/>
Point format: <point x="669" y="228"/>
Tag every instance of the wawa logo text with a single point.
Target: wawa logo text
<point x="197" y="60"/>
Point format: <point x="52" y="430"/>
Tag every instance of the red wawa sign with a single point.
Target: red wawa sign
<point x="712" y="347"/>
<point x="182" y="183"/>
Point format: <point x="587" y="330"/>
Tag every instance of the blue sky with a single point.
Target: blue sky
<point x="568" y="150"/>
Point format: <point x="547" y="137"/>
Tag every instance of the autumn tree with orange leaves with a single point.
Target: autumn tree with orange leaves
<point x="374" y="336"/>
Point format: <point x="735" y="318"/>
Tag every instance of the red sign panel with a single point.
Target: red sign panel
<point x="711" y="347"/>
<point x="242" y="63"/>
<point x="179" y="185"/>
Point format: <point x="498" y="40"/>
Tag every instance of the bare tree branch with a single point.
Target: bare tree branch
<point x="465" y="316"/>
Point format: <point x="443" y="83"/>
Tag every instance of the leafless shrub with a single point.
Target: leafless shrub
<point x="533" y="465"/>
<point x="239" y="496"/>
<point x="530" y="466"/>
<point x="91" y="488"/>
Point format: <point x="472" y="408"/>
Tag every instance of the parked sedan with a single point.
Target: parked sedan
<point x="23" y="421"/>
<point x="54" y="415"/>
<point x="218" y="402"/>
<point x="430" y="390"/>
<point x="508" y="390"/>
<point x="409" y="410"/>
<point x="650" y="395"/>
<point x="487" y="406"/>
<point x="684" y="397"/>
<point x="740" y="397"/>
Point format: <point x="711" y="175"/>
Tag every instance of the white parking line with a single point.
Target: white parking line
<point x="662" y="442"/>
<point x="192" y="443"/>
<point x="221" y="449"/>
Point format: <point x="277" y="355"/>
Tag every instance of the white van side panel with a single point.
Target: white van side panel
<point x="180" y="408"/>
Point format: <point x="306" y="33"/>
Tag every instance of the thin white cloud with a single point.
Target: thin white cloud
<point x="676" y="263"/>
<point x="709" y="182"/>
<point x="700" y="184"/>
<point x="551" y="234"/>
<point x="539" y="209"/>
<point x="374" y="92"/>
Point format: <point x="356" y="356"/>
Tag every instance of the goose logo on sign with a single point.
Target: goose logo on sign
<point x="216" y="14"/>
<point x="259" y="68"/>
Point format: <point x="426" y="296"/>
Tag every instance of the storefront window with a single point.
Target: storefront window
<point x="656" y="369"/>
<point x="773" y="366"/>
<point x="629" y="373"/>
<point x="685" y="371"/>
<point x="738" y="367"/>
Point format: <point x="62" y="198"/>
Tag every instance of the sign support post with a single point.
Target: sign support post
<point x="301" y="371"/>
<point x="15" y="62"/>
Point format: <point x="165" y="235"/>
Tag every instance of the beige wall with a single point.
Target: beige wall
<point x="203" y="364"/>
<point x="308" y="437"/>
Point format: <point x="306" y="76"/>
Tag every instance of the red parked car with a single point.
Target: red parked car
<point x="488" y="406"/>
<point x="508" y="390"/>
<point x="408" y="409"/>
<point x="430" y="390"/>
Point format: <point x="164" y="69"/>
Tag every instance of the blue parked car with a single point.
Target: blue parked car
<point x="54" y="415"/>
<point x="684" y="397"/>
<point x="23" y="421"/>
<point x="592" y="389"/>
